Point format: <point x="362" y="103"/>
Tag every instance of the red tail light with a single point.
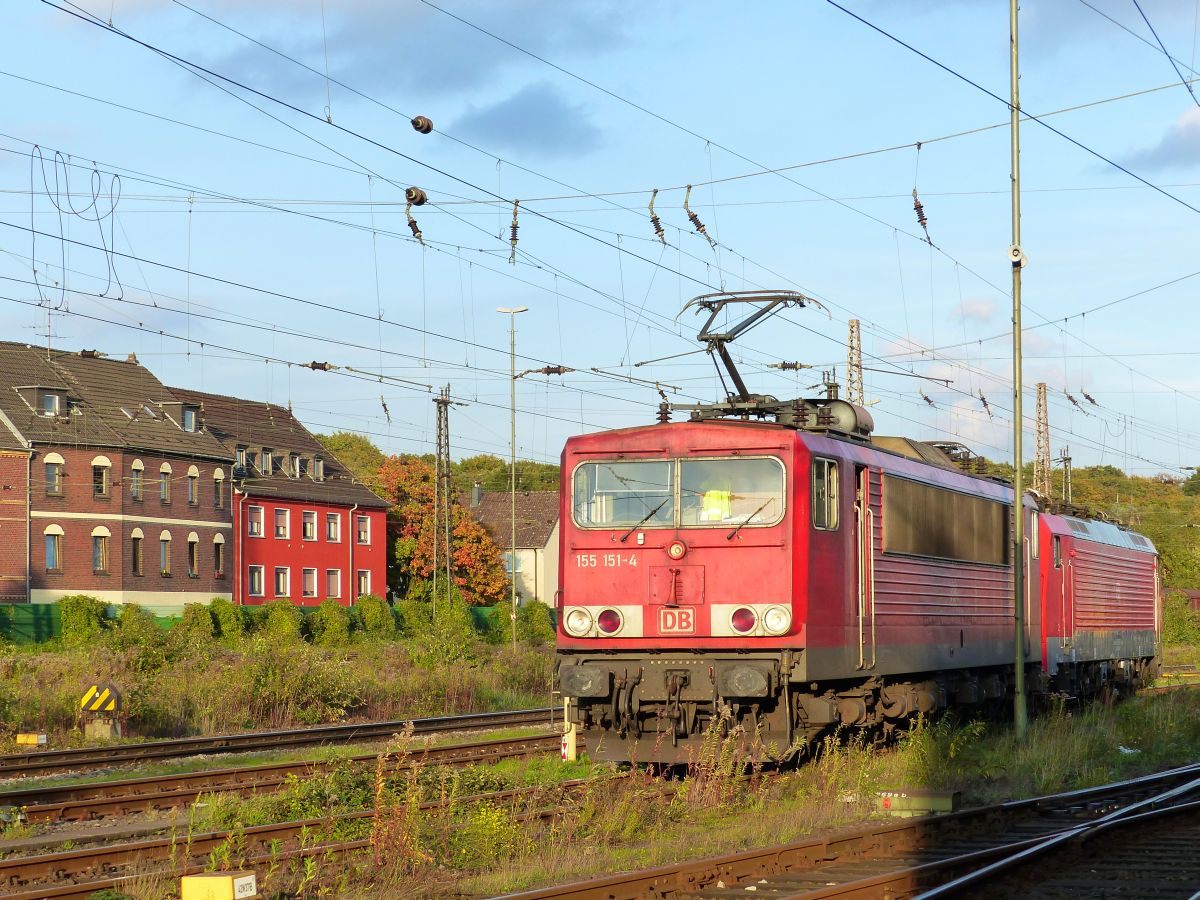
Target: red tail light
<point x="609" y="621"/>
<point x="743" y="620"/>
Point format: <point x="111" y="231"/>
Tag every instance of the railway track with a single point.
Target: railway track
<point x="897" y="859"/>
<point x="78" y="873"/>
<point x="95" y="800"/>
<point x="45" y="762"/>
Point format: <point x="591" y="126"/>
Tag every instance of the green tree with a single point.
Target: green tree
<point x="492" y="473"/>
<point x="356" y="453"/>
<point x="1191" y="487"/>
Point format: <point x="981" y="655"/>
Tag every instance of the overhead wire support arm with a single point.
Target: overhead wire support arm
<point x="716" y="342"/>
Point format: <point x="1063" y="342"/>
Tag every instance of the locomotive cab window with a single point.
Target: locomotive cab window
<point x="612" y="494"/>
<point x="825" y="494"/>
<point x="731" y="491"/>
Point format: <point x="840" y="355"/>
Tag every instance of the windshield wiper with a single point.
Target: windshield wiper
<point x="746" y="521"/>
<point x="650" y="515"/>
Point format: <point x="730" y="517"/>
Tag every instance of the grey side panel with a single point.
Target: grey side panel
<point x="1088" y="646"/>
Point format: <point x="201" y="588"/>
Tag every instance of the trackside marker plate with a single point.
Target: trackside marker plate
<point x="676" y="621"/>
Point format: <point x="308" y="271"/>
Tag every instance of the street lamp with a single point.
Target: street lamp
<point x="511" y="312"/>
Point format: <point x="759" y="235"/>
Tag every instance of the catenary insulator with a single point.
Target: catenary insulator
<point x="423" y="124"/>
<point x="416" y="196"/>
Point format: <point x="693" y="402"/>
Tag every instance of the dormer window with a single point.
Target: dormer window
<point x="52" y="404"/>
<point x="191" y="419"/>
<point x="268" y="461"/>
<point x="301" y="466"/>
<point x="294" y="465"/>
<point x="241" y="457"/>
<point x="148" y="411"/>
<point x="318" y="473"/>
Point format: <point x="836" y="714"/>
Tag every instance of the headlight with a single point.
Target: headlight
<point x="743" y="620"/>
<point x="777" y="620"/>
<point x="609" y="621"/>
<point x="578" y="622"/>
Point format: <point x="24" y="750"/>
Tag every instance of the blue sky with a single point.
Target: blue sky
<point x="724" y="91"/>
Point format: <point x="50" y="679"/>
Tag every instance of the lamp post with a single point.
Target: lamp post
<point x="511" y="312"/>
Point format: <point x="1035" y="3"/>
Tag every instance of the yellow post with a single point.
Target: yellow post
<point x="570" y="735"/>
<point x="219" y="886"/>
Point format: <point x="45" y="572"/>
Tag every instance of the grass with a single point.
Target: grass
<point x="214" y="687"/>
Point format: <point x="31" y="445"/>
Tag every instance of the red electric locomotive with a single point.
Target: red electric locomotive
<point x="773" y="565"/>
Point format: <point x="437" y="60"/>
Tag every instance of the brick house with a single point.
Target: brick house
<point x="127" y="497"/>
<point x="536" y="565"/>
<point x="304" y="529"/>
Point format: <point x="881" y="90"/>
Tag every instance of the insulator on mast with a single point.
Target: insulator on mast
<point x="654" y="219"/>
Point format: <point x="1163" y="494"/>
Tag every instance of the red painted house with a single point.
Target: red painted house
<point x="304" y="529"/>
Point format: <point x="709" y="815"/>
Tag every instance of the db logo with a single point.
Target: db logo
<point x="676" y="621"/>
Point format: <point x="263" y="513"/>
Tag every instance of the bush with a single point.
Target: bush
<point x="137" y="634"/>
<point x="83" y="618"/>
<point x="197" y="624"/>
<point x="282" y="620"/>
<point x="330" y="624"/>
<point x="377" y="617"/>
<point x="1181" y="623"/>
<point x="229" y="620"/>
<point x="533" y="624"/>
<point x="414" y="617"/>
<point x="450" y="638"/>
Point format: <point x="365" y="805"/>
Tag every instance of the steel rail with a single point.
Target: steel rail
<point x="882" y="860"/>
<point x="41" y="762"/>
<point x="93" y="800"/>
<point x="44" y="875"/>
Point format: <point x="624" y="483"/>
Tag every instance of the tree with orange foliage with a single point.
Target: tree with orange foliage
<point x="477" y="568"/>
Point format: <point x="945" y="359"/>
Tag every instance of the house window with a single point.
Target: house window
<point x="363" y="529"/>
<point x="164" y="483"/>
<point x="193" y="555"/>
<point x="507" y="557"/>
<point x="282" y="522"/>
<point x="240" y="457"/>
<point x="100" y="536"/>
<point x="54" y="478"/>
<point x="318" y="469"/>
<point x="190" y="419"/>
<point x="268" y="461"/>
<point x="135" y="554"/>
<point x="99" y="481"/>
<point x="255" y="581"/>
<point x="218" y="557"/>
<point x="193" y="487"/>
<point x="254" y="521"/>
<point x="301" y="466"/>
<point x="282" y="577"/>
<point x="135" y="480"/>
<point x="310" y="582"/>
<point x="218" y="489"/>
<point x="333" y="527"/>
<point x="333" y="583"/>
<point x="309" y="526"/>
<point x="54" y="549"/>
<point x="164" y="555"/>
<point x="294" y="465"/>
<point x="825" y="494"/>
<point x="51" y="404"/>
<point x="364" y="582"/>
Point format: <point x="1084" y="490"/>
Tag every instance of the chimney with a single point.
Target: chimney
<point x="477" y="493"/>
<point x="131" y="358"/>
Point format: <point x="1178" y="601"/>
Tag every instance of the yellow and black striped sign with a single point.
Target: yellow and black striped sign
<point x="101" y="698"/>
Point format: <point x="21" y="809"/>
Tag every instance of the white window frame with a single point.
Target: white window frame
<point x="338" y="580"/>
<point x="250" y="510"/>
<point x="304" y="591"/>
<point x="250" y="581"/>
<point x="359" y="520"/>
<point x="336" y="520"/>
<point x="287" y="581"/>
<point x="364" y="578"/>
<point x="287" y="523"/>
<point x="304" y="522"/>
